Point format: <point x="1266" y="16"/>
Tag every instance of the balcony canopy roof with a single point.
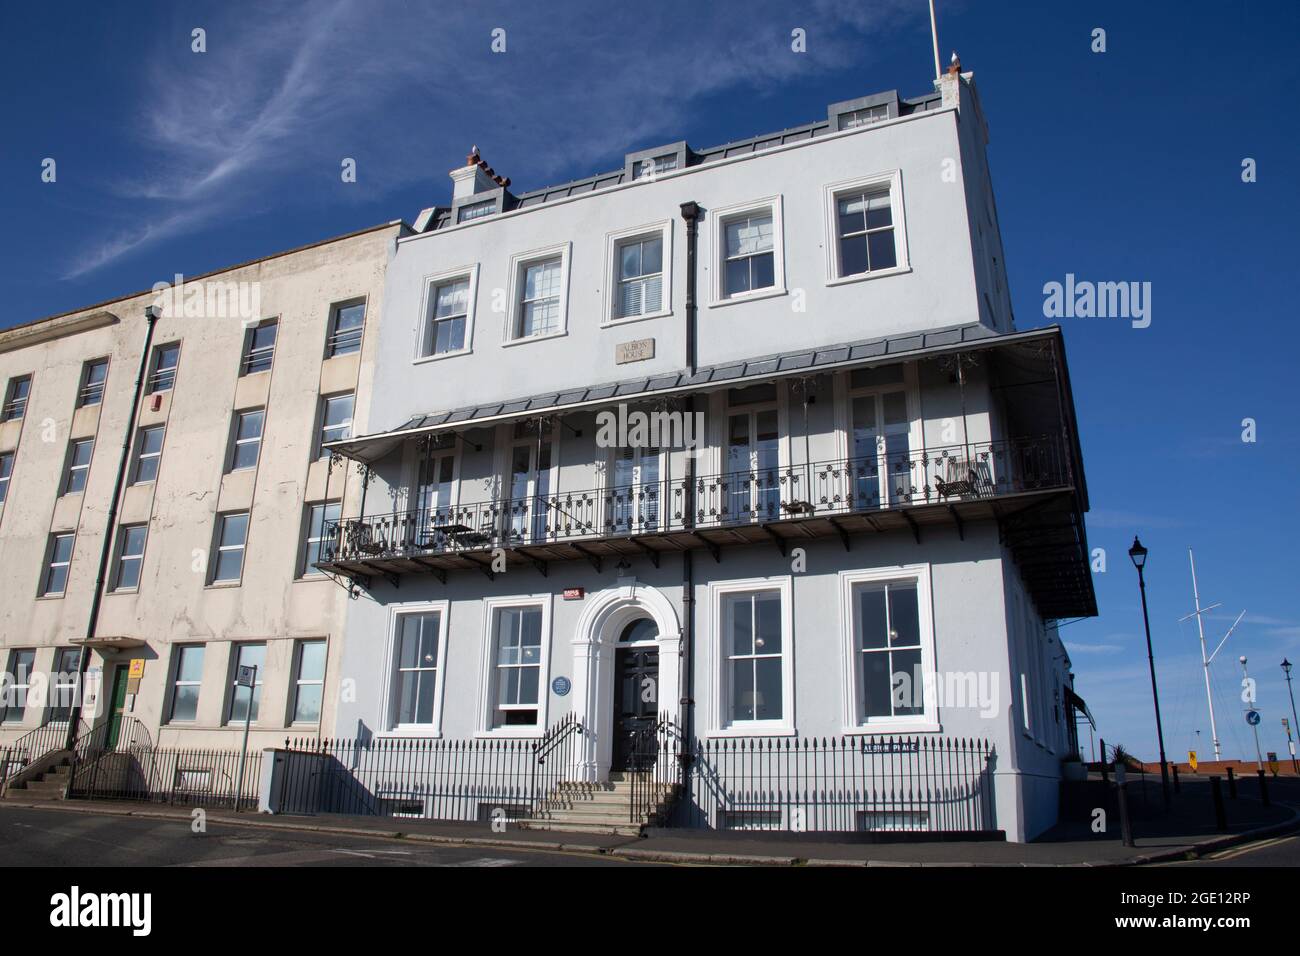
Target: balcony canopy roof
<point x="881" y="351"/>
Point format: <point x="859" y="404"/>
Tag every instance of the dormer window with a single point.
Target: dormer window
<point x="660" y="164"/>
<point x="864" y="117"/>
<point x="476" y="210"/>
<point x="863" y="111"/>
<point x="648" y="163"/>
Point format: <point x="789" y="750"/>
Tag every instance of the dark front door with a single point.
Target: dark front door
<point x="636" y="703"/>
<point x="116" y="708"/>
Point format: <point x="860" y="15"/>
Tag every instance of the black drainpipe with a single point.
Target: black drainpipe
<point x="106" y="549"/>
<point x="690" y="214"/>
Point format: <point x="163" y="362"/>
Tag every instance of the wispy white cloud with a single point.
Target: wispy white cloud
<point x="1076" y="648"/>
<point x="275" y="100"/>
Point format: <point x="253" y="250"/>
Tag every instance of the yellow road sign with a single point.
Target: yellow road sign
<point x="137" y="668"/>
<point x="1191" y="758"/>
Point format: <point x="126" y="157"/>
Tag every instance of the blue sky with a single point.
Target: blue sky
<point x="1119" y="166"/>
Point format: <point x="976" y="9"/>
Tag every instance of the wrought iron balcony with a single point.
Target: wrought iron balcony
<point x="906" y="489"/>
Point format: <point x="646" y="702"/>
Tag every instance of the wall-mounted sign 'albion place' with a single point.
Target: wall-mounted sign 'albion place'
<point x="636" y="351"/>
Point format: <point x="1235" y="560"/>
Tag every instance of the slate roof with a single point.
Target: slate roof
<point x="731" y="374"/>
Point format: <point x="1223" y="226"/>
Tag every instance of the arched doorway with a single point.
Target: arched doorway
<point x="636" y="688"/>
<point x="627" y="635"/>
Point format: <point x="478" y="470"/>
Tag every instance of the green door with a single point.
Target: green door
<point x="116" y="707"/>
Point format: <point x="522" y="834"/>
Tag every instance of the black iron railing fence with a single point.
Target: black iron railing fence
<point x="918" y="783"/>
<point x="921" y="783"/>
<point x="433" y="778"/>
<point x="890" y="479"/>
<point x="654" y="759"/>
<point x="936" y="784"/>
<point x="118" y="761"/>
<point x="33" y="745"/>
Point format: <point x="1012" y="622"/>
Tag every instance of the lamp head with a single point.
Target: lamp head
<point x="1137" y="553"/>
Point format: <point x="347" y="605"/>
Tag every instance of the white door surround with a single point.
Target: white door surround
<point x="603" y="619"/>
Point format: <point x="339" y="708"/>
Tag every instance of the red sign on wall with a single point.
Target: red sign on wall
<point x="574" y="594"/>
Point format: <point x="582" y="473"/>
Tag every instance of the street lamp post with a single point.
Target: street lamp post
<point x="1245" y="676"/>
<point x="1295" y="725"/>
<point x="1138" y="555"/>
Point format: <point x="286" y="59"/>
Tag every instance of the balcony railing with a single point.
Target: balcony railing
<point x="887" y="481"/>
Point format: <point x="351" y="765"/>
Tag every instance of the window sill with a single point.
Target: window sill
<point x="884" y="730"/>
<point x="221" y="585"/>
<point x="749" y="297"/>
<point x="425" y="359"/>
<point x="632" y="319"/>
<point x="754" y="730"/>
<point x="50" y="597"/>
<point x="535" y="338"/>
<point x="865" y="276"/>
<point x="123" y="591"/>
<point x="423" y="731"/>
<point x="517" y="731"/>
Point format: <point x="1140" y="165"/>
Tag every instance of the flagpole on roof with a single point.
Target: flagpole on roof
<point x="934" y="37"/>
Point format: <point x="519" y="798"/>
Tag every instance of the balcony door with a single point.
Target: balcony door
<point x="632" y="500"/>
<point x="880" y="466"/>
<point x="753" y="466"/>
<point x="530" y="482"/>
<point x="434" y="486"/>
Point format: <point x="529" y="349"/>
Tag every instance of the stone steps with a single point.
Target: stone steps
<point x="49" y="784"/>
<point x="597" y="808"/>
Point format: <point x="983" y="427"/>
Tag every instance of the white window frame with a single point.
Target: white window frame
<point x="298" y="682"/>
<point x="427" y="304"/>
<point x="72" y="467"/>
<point x="153" y="382"/>
<point x="719" y="722"/>
<point x="178" y="653"/>
<point x="613" y="243"/>
<point x="12" y="688"/>
<point x="232" y="682"/>
<point x="831" y="192"/>
<point x="514" y="315"/>
<point x="321" y="451"/>
<point x="50" y="564"/>
<point x="14" y="409"/>
<point x="249" y="355"/>
<point x="926" y="722"/>
<point x="305" y="570"/>
<point x="122" y="556"/>
<point x="487" y="669"/>
<point x="141" y="455"/>
<point x="87" y="389"/>
<point x="6" y="481"/>
<point x="236" y="441"/>
<point x="718" y="252"/>
<point x="63" y="685"/>
<point x="218" y="548"/>
<point x="331" y="327"/>
<point x="389" y="696"/>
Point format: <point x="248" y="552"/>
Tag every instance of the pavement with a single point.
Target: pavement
<point x="1186" y="833"/>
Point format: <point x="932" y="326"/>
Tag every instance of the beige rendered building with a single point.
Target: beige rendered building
<point x="223" y="493"/>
